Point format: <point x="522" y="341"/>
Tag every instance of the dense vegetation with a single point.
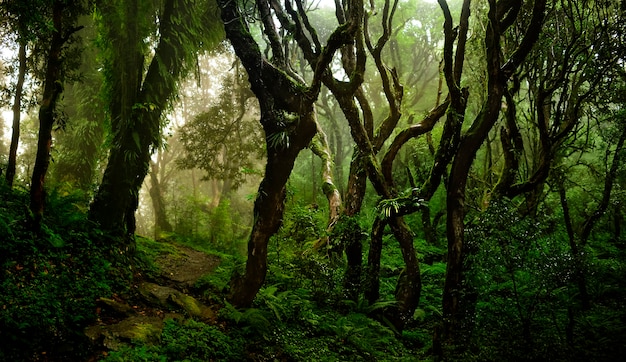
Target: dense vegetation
<point x="394" y="180"/>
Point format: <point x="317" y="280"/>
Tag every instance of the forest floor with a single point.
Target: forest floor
<point x="164" y="292"/>
<point x="186" y="266"/>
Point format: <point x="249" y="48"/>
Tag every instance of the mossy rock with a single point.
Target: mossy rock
<point x="168" y="298"/>
<point x="143" y="329"/>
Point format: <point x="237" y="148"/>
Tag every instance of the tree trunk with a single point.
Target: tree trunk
<point x="269" y="208"/>
<point x="372" y="284"/>
<point x="136" y="125"/>
<point x="319" y="147"/>
<point x="409" y="285"/>
<point x="498" y="73"/>
<point x="156" y="195"/>
<point x="17" y="114"/>
<point x="52" y="90"/>
<point x="289" y="122"/>
<point x="357" y="182"/>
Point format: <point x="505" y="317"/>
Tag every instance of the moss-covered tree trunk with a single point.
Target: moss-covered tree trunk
<point x="138" y="102"/>
<point x="52" y="90"/>
<point x="498" y="73"/>
<point x="319" y="146"/>
<point x="289" y="122"/>
<point x="161" y="224"/>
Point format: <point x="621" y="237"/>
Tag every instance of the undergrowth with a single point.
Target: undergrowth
<point x="184" y="341"/>
<point x="51" y="278"/>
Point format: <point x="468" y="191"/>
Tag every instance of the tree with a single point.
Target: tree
<point x="26" y="22"/>
<point x="223" y="141"/>
<point x="158" y="181"/>
<point x="137" y="98"/>
<point x="63" y="18"/>
<point x="463" y="149"/>
<point x="288" y="118"/>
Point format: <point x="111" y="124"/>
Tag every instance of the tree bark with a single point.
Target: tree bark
<point x="136" y="114"/>
<point x="289" y="122"/>
<point x="17" y="114"/>
<point x="372" y="284"/>
<point x="161" y="224"/>
<point x="319" y="147"/>
<point x="498" y="73"/>
<point x="52" y="89"/>
<point x="409" y="285"/>
<point x="268" y="211"/>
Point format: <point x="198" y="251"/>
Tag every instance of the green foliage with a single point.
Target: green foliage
<point x="197" y="341"/>
<point x="216" y="283"/>
<point x="184" y="341"/>
<point x="302" y="224"/>
<point x="524" y="281"/>
<point x="136" y="353"/>
<point x="225" y="141"/>
<point x="278" y="140"/>
<point x="221" y="226"/>
<point x="51" y="280"/>
<point x="288" y="323"/>
<point x="217" y="229"/>
<point x="388" y="207"/>
<point x="250" y="321"/>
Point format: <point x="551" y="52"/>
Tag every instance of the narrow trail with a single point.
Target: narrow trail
<point x="168" y="294"/>
<point x="187" y="267"/>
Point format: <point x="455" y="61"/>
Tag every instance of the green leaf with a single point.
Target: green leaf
<point x="53" y="238"/>
<point x="136" y="138"/>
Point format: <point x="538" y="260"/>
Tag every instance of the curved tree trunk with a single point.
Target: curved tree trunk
<point x="268" y="210"/>
<point x="289" y="122"/>
<point x="498" y="73"/>
<point x="136" y="111"/>
<point x="319" y="146"/>
<point x="409" y="285"/>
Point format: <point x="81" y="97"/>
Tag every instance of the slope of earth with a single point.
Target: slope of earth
<point x="162" y="292"/>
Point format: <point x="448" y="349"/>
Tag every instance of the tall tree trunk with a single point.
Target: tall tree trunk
<point x="17" y="113"/>
<point x="269" y="206"/>
<point x="355" y="192"/>
<point x="136" y="125"/>
<point x="115" y="193"/>
<point x="372" y="283"/>
<point x="52" y="89"/>
<point x="289" y="122"/>
<point x="498" y="74"/>
<point x="320" y="148"/>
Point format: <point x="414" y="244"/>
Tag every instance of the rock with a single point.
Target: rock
<point x="166" y="297"/>
<point x="136" y="328"/>
<point x="120" y="308"/>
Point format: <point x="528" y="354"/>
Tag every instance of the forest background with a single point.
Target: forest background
<point x="387" y="180"/>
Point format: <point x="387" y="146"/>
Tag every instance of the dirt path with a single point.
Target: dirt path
<point x="186" y="267"/>
<point x="140" y="316"/>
